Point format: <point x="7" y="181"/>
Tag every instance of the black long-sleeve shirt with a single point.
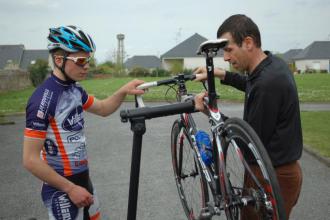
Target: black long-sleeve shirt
<point x="272" y="108"/>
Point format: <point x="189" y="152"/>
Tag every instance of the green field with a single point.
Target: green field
<point x="316" y="127"/>
<point x="311" y="88"/>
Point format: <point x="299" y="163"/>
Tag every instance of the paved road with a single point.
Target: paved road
<point x="110" y="144"/>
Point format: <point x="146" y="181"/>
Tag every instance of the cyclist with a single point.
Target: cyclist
<point x="271" y="104"/>
<point x="54" y="148"/>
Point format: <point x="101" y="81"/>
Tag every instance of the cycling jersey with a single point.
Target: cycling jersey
<point x="55" y="113"/>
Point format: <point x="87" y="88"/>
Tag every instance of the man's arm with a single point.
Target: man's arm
<point x="109" y="105"/>
<point x="228" y="78"/>
<point x="33" y="163"/>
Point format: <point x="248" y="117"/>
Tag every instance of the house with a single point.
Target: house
<point x="288" y="55"/>
<point x="315" y="57"/>
<point x="16" y="57"/>
<point x="30" y="56"/>
<point x="147" y="62"/>
<point x="185" y="55"/>
<point x="10" y="56"/>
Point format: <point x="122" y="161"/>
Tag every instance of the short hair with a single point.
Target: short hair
<point x="52" y="53"/>
<point x="240" y="26"/>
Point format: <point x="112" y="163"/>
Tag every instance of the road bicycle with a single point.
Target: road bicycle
<point x="240" y="182"/>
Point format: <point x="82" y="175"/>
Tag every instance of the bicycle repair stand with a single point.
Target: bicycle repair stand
<point x="138" y="127"/>
<point x="137" y="119"/>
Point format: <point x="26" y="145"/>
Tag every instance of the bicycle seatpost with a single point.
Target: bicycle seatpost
<point x="210" y="80"/>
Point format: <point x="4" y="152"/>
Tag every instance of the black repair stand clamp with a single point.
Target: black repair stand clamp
<point x="138" y="127"/>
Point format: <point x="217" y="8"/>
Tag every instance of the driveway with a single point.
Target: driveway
<point x="109" y="145"/>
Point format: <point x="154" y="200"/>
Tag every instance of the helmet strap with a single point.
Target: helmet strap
<point x="62" y="69"/>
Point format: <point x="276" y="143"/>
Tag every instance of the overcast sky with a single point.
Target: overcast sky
<point x="152" y="27"/>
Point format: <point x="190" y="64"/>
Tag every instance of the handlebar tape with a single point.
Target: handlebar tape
<point x="158" y="111"/>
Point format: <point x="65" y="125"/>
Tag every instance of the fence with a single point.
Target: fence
<point x="14" y="79"/>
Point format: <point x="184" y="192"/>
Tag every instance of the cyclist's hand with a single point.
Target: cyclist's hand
<point x="199" y="101"/>
<point x="80" y="196"/>
<point x="130" y="87"/>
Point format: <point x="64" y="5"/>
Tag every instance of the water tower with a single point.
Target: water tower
<point x="120" y="50"/>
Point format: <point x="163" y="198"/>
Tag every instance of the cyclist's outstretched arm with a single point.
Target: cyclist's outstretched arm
<point x="109" y="105"/>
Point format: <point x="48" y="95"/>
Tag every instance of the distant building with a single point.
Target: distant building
<point x="185" y="55"/>
<point x="11" y="56"/>
<point x="30" y="57"/>
<point x="147" y="62"/>
<point x="314" y="57"/>
<point x="16" y="57"/>
<point x="290" y="54"/>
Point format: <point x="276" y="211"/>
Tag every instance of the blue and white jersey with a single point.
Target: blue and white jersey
<point x="55" y="112"/>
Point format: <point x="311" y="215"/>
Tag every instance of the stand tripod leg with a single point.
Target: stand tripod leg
<point x="138" y="128"/>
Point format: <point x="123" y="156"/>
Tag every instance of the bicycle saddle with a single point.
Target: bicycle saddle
<point x="212" y="45"/>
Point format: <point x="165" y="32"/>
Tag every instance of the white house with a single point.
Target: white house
<point x="314" y="57"/>
<point x="185" y="54"/>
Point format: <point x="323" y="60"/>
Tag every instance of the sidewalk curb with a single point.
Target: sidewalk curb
<point x="317" y="155"/>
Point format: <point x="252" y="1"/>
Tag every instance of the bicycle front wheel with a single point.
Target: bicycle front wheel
<point x="252" y="188"/>
<point x="190" y="183"/>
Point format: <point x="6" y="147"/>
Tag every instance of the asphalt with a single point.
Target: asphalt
<point x="109" y="148"/>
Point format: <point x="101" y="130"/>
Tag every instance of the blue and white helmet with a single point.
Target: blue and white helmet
<point x="71" y="39"/>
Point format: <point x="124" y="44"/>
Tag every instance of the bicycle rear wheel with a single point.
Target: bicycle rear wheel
<point x="252" y="188"/>
<point x="190" y="183"/>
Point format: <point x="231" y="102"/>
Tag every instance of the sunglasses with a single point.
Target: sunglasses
<point x="80" y="61"/>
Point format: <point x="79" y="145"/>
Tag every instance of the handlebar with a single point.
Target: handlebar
<point x="187" y="106"/>
<point x="173" y="80"/>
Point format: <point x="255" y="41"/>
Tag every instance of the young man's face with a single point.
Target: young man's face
<point x="77" y="65"/>
<point x="236" y="55"/>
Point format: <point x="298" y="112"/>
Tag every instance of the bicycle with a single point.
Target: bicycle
<point x="208" y="190"/>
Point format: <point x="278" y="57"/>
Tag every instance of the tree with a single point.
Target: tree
<point x="38" y="72"/>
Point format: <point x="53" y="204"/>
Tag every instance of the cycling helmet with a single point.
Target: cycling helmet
<point x="70" y="39"/>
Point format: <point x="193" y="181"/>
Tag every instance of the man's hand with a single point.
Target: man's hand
<point x="201" y="73"/>
<point x="199" y="102"/>
<point x="80" y="196"/>
<point x="130" y="87"/>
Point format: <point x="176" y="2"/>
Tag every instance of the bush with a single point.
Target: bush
<point x="176" y="67"/>
<point x="187" y="71"/>
<point x="159" y="73"/>
<point x="139" y="72"/>
<point x="38" y="72"/>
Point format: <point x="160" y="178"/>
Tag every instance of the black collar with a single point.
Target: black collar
<point x="261" y="66"/>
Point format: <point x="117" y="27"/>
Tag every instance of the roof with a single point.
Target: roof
<point x="143" y="61"/>
<point x="33" y="55"/>
<point x="288" y="56"/>
<point x="10" y="53"/>
<point x="316" y="50"/>
<point x="187" y="48"/>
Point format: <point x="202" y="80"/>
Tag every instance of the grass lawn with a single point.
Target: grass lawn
<point x="311" y="88"/>
<point x="316" y="127"/>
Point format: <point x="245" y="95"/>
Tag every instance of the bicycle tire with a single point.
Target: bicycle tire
<point x="191" y="185"/>
<point x="249" y="154"/>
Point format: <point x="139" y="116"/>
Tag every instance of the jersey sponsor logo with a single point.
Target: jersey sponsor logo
<point x="44" y="104"/>
<point x="74" y="121"/>
<point x="74" y="137"/>
<point x="38" y="125"/>
<point x="80" y="155"/>
<point x="50" y="147"/>
<point x="63" y="208"/>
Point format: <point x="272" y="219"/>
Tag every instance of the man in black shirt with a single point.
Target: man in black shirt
<point x="271" y="104"/>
